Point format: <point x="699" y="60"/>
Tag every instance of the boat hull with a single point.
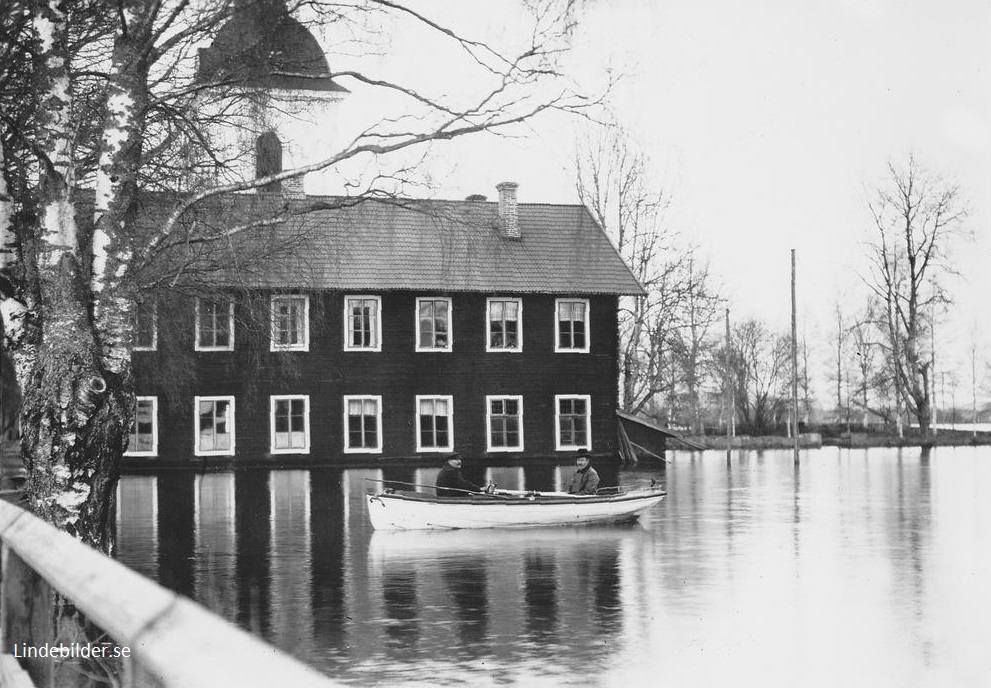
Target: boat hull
<point x="396" y="511"/>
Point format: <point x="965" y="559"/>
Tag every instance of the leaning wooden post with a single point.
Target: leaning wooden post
<point x="26" y="616"/>
<point x="794" y="360"/>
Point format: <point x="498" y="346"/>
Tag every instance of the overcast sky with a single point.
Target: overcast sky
<point x="766" y="119"/>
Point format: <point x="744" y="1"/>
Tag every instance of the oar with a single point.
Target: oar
<point x="431" y="487"/>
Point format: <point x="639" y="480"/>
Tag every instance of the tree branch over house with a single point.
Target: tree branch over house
<point x="102" y="108"/>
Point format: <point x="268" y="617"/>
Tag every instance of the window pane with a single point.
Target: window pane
<point x="281" y="416"/>
<point x="426" y="431"/>
<point x="371" y="431"/>
<point x="511" y="338"/>
<point x="441" y="425"/>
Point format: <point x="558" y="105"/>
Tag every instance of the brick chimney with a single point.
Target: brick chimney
<point x="293" y="188"/>
<point x="509" y="214"/>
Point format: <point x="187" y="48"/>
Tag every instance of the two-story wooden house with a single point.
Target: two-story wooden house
<point x="392" y="329"/>
<point x="400" y="330"/>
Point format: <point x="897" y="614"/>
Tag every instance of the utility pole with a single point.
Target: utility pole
<point x="794" y="360"/>
<point x="973" y="385"/>
<point x="730" y="401"/>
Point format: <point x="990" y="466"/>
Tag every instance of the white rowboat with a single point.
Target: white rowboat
<point x="404" y="510"/>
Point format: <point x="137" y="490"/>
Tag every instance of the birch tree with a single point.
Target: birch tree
<point x="916" y="216"/>
<point x="99" y="104"/>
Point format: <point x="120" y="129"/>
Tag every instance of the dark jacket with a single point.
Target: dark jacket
<point x="584" y="482"/>
<point x="450" y="477"/>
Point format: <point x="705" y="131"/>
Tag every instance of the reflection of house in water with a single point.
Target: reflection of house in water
<point x="290" y="555"/>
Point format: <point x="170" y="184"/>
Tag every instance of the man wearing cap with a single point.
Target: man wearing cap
<point x="450" y="482"/>
<point x="585" y="481"/>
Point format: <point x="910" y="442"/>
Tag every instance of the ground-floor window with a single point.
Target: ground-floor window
<point x="504" y="423"/>
<point x="214" y="426"/>
<point x="572" y="421"/>
<point x="434" y="423"/>
<point x="143" y="440"/>
<point x="290" y="421"/>
<point x="362" y="424"/>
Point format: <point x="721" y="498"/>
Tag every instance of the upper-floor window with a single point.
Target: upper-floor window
<point x="572" y="413"/>
<point x="214" y="426"/>
<point x="214" y="325"/>
<point x="433" y="324"/>
<point x="143" y="440"/>
<point x="362" y="424"/>
<point x="571" y="325"/>
<point x="290" y="424"/>
<point x="290" y="323"/>
<point x="146" y="326"/>
<point x="268" y="159"/>
<point x="504" y="331"/>
<point x="434" y="423"/>
<point x="362" y="323"/>
<point x="504" y="423"/>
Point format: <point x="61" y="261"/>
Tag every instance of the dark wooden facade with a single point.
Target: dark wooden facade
<point x="175" y="373"/>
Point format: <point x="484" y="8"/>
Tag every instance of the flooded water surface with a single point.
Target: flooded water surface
<point x="861" y="568"/>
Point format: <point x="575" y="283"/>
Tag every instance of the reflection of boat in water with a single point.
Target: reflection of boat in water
<point x="442" y="545"/>
<point x="404" y="510"/>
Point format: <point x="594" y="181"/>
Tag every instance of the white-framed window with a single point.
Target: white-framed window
<point x="504" y="423"/>
<point x="362" y="323"/>
<point x="143" y="440"/>
<point x="362" y="424"/>
<point x="504" y="324"/>
<point x="572" y="421"/>
<point x="290" y="323"/>
<point x="214" y="325"/>
<point x="433" y="324"/>
<point x="145" y="326"/>
<point x="434" y="423"/>
<point x="571" y="318"/>
<point x="290" y="424"/>
<point x="214" y="419"/>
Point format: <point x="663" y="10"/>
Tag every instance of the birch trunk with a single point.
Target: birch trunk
<point x="75" y="370"/>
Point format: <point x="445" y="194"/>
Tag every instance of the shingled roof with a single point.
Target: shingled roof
<point x="380" y="245"/>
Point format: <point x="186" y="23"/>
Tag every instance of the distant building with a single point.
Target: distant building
<point x="400" y="329"/>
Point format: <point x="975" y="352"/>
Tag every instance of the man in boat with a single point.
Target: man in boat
<point x="585" y="481"/>
<point x="450" y="481"/>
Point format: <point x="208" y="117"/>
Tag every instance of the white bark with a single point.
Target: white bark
<point x="8" y="240"/>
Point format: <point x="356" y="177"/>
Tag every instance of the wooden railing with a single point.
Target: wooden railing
<point x="172" y="640"/>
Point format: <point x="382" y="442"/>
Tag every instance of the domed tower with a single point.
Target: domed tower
<point x="279" y="104"/>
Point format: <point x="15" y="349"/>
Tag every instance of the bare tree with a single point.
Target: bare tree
<point x="615" y="180"/>
<point x="108" y="101"/>
<point x="692" y="341"/>
<point x="761" y="365"/>
<point x="838" y="371"/>
<point x="916" y="215"/>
